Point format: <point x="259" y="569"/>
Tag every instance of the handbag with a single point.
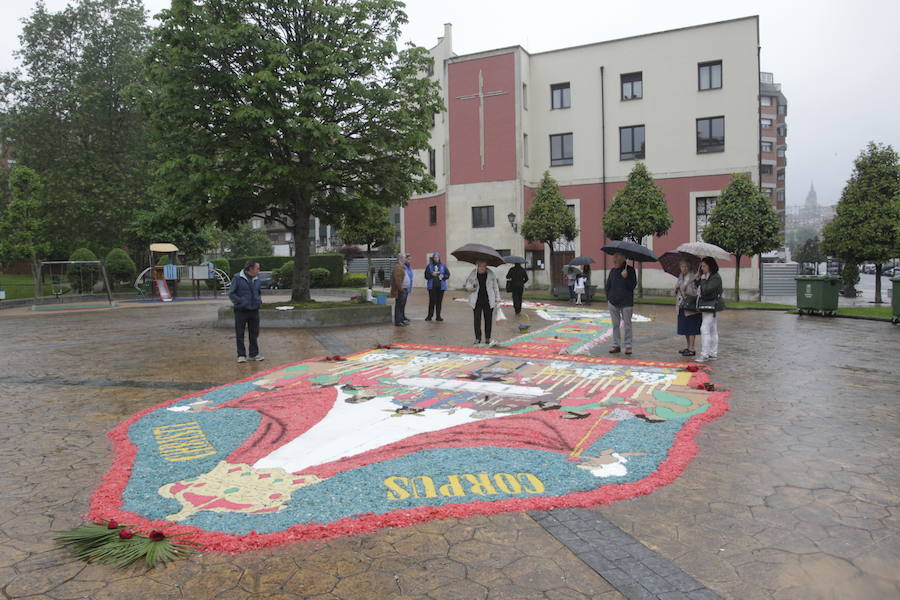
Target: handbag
<point x="509" y="285"/>
<point x="690" y="303"/>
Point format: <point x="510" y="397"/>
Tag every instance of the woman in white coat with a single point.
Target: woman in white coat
<point x="484" y="296"/>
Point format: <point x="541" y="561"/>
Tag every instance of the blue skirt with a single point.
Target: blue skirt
<point x="689" y="324"/>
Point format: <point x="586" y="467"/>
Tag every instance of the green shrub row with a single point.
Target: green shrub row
<point x="334" y="263"/>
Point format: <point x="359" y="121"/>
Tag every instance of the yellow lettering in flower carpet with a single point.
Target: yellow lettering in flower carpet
<point x="182" y="441"/>
<point x="474" y="484"/>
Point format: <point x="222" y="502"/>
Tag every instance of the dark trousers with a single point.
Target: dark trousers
<point x="246" y="319"/>
<point x="400" y="307"/>
<point x="488" y="313"/>
<point x="517" y="298"/>
<point x="435" y="298"/>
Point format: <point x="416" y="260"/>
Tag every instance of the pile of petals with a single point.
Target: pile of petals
<point x="118" y="545"/>
<point x="335" y="358"/>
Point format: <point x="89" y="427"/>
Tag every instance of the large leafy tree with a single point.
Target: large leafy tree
<point x="866" y="226"/>
<point x="23" y="224"/>
<point x="289" y="109"/>
<point x="638" y="210"/>
<point x="549" y="218"/>
<point x="72" y="117"/>
<point x="247" y="241"/>
<point x="743" y="223"/>
<point x="368" y="226"/>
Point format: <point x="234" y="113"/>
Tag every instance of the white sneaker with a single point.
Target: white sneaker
<point x="701" y="359"/>
<point x="242" y="359"/>
<point x="491" y="343"/>
<point x="477" y="343"/>
<point x="257" y="358"/>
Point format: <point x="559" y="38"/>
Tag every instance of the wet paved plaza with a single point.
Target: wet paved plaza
<point x="793" y="494"/>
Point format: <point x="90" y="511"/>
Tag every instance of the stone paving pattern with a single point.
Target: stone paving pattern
<point x="794" y="493"/>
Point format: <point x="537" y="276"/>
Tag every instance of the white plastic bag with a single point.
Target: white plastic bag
<point x="500" y="315"/>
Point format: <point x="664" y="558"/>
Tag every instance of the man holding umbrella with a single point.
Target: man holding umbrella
<point x="619" y="288"/>
<point x="516" y="278"/>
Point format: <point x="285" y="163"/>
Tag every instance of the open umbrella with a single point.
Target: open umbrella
<point x="472" y="253"/>
<point x="514" y="260"/>
<point x="702" y="249"/>
<point x="670" y="262"/>
<point x="582" y="260"/>
<point x="631" y="251"/>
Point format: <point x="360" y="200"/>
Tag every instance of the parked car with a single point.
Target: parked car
<point x="868" y="269"/>
<point x="889" y="271"/>
<point x="266" y="281"/>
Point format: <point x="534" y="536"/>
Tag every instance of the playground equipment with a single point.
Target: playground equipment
<point x="70" y="279"/>
<point x="158" y="276"/>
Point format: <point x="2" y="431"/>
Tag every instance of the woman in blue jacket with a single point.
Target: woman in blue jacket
<point x="436" y="276"/>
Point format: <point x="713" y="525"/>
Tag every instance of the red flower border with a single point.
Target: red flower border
<point x="106" y="500"/>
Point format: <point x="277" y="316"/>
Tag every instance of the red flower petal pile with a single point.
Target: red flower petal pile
<point x="125" y="534"/>
<point x="157" y="536"/>
<point x="112" y="525"/>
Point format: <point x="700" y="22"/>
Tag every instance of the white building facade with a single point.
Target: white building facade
<point x="685" y="102"/>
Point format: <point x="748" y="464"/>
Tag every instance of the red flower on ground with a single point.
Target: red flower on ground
<point x="700" y="386"/>
<point x="709" y="387"/>
<point x="693" y="368"/>
<point x="112" y="525"/>
<point x="125" y="534"/>
<point x="157" y="536"/>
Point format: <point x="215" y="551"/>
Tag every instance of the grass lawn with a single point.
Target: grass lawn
<point x="877" y="312"/>
<point x="17" y="286"/>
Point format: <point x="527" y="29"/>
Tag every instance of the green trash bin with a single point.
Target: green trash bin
<point x="895" y="300"/>
<point x="818" y="294"/>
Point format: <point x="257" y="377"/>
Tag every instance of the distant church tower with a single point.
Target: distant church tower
<point x="812" y="202"/>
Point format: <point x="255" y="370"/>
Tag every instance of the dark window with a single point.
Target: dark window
<point x="782" y="130"/>
<point x="482" y="216"/>
<point x="525" y="149"/>
<point x="534" y="259"/>
<point x="560" y="95"/>
<point x="766" y="146"/>
<point x="711" y="135"/>
<point x="765" y="169"/>
<point x="525" y="96"/>
<point x="705" y="207"/>
<point x="710" y="75"/>
<point x="433" y="119"/>
<point x="432" y="162"/>
<point x="504" y="253"/>
<point x="631" y="142"/>
<point x="780" y="174"/>
<point x="632" y="86"/>
<point x="431" y="67"/>
<point x="561" y="149"/>
<point x="779" y="195"/>
<point x="432" y="215"/>
<point x="782" y="109"/>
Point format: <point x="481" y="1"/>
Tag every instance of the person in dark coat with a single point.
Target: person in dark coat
<point x="516" y="278"/>
<point x="245" y="294"/>
<point x="709" y="289"/>
<point x="436" y="276"/>
<point x="619" y="289"/>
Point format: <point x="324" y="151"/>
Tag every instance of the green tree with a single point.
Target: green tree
<point x="289" y="110"/>
<point x="743" y="223"/>
<point x="23" y="223"/>
<point x="247" y="241"/>
<point x="810" y="252"/>
<point x="119" y="267"/>
<point x="866" y="226"/>
<point x="166" y="223"/>
<point x="638" y="210"/>
<point x="795" y="238"/>
<point x="549" y="218"/>
<point x="82" y="277"/>
<point x="369" y="226"/>
<point x="72" y="117"/>
<point x="849" y="279"/>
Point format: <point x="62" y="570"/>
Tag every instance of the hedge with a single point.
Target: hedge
<point x="333" y="262"/>
<point x="318" y="278"/>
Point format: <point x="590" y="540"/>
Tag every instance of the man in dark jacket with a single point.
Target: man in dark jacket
<point x="619" y="288"/>
<point x="401" y="286"/>
<point x="246" y="297"/>
<point x="516" y="278"/>
<point x="436" y="276"/>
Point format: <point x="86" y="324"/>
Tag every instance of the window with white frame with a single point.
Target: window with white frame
<point x="705" y="206"/>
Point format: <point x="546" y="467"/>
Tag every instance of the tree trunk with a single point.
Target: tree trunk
<point x="640" y="281"/>
<point x="877" y="283"/>
<point x="36" y="273"/>
<point x="369" y="276"/>
<point x="737" y="278"/>
<point x="300" y="285"/>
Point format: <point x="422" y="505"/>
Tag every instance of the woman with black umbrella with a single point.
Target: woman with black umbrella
<point x="484" y="296"/>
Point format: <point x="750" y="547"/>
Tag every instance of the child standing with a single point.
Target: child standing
<point x="580" y="281"/>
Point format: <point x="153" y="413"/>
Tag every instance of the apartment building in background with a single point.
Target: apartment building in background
<point x="773" y="144"/>
<point x="686" y="102"/>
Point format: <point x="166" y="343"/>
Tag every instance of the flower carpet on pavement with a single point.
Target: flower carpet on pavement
<point x="403" y="434"/>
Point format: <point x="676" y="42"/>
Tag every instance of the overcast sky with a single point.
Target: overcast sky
<point x="837" y="60"/>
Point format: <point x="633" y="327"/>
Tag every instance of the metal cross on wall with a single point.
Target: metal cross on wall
<point x="481" y="95"/>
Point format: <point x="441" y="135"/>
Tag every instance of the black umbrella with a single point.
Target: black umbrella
<point x="472" y="253"/>
<point x="630" y="250"/>
<point x="582" y="260"/>
<point x="515" y="260"/>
